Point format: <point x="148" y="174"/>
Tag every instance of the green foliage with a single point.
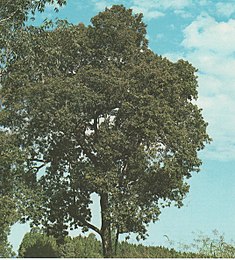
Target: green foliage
<point x="127" y="250"/>
<point x="8" y="216"/>
<point x="14" y="193"/>
<point x="13" y="15"/>
<point x="102" y="114"/>
<point x="37" y="244"/>
<point x="9" y="159"/>
<point x="16" y="12"/>
<point x="81" y="247"/>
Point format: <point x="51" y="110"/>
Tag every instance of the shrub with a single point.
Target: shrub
<point x="37" y="244"/>
<point x="206" y="246"/>
<point x="214" y="246"/>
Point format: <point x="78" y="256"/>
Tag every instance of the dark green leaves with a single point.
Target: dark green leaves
<point x="101" y="113"/>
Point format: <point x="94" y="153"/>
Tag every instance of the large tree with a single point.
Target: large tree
<point x="103" y="115"/>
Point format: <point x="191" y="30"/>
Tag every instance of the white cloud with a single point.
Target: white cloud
<point x="211" y="85"/>
<point x="153" y="9"/>
<point x="101" y="5"/>
<point x="205" y="33"/>
<point x="204" y="2"/>
<point x="166" y="4"/>
<point x="219" y="110"/>
<point x="183" y="13"/>
<point x="179" y="4"/>
<point x="214" y="63"/>
<point x="225" y="9"/>
<point x="147" y="12"/>
<point x="210" y="47"/>
<point x="174" y="56"/>
<point x="147" y="8"/>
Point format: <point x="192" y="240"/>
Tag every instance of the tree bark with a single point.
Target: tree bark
<point x="116" y="241"/>
<point x="106" y="227"/>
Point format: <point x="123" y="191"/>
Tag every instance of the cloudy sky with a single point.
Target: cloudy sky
<point x="202" y="32"/>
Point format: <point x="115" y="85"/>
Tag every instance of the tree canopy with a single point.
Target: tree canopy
<point x="103" y="114"/>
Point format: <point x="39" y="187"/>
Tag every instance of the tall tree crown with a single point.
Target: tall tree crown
<point x="103" y="114"/>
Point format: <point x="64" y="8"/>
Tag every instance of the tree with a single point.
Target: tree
<point x="102" y="114"/>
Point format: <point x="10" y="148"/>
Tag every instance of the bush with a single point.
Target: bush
<point x="37" y="244"/>
<point x="214" y="246"/>
<point x="207" y="246"/>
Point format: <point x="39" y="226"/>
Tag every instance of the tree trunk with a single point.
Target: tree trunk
<point x="106" y="227"/>
<point x="116" y="241"/>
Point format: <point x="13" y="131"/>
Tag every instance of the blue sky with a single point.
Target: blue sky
<point x="202" y="32"/>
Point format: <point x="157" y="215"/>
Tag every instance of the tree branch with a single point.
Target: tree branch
<point x="39" y="160"/>
<point x="116" y="240"/>
<point x="39" y="167"/>
<point x="44" y="163"/>
<point x="89" y="225"/>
